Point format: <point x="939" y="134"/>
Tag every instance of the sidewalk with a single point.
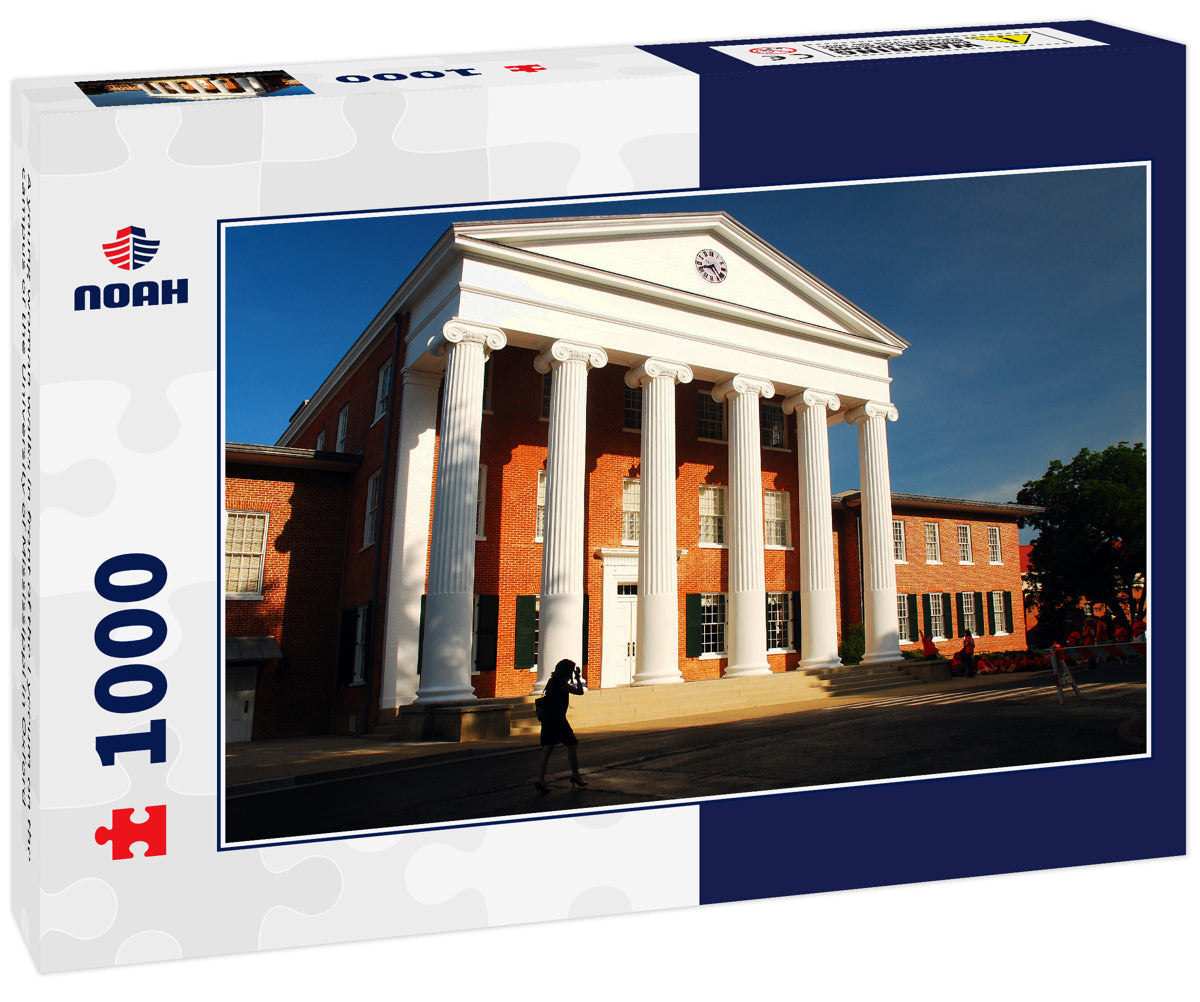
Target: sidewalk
<point x="256" y="766"/>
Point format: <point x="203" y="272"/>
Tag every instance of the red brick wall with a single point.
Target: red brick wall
<point x="302" y="581"/>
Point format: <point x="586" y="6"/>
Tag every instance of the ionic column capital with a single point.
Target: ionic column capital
<point x="459" y="331"/>
<point x="872" y="409"/>
<point x="743" y="384"/>
<point x="653" y="368"/>
<point x="570" y="351"/>
<point x="812" y="398"/>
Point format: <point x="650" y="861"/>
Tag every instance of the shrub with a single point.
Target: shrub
<point x="853" y="645"/>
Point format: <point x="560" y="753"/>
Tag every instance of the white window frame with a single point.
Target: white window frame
<point x="905" y="627"/>
<point x="705" y="400"/>
<point x="998" y="613"/>
<point x="937" y="616"/>
<point x="899" y="546"/>
<point x="632" y="404"/>
<point x="995" y="554"/>
<point x="970" y="623"/>
<point x="320" y="447"/>
<point x="539" y="518"/>
<point x="359" y="676"/>
<point x="783" y="601"/>
<point x="480" y="502"/>
<point x="343" y="429"/>
<point x="371" y="517"/>
<point x="783" y="516"/>
<point x="255" y="593"/>
<point x="718" y="516"/>
<point x="933" y="543"/>
<point x="964" y="545"/>
<point x="383" y="387"/>
<point x="631" y="505"/>
<point x="714" y="600"/>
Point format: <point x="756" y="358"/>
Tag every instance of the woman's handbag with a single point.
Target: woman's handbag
<point x="539" y="706"/>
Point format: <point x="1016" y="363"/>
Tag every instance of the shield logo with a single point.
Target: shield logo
<point x="131" y="249"/>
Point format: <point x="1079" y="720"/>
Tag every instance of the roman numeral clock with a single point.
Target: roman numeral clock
<point x="711" y="266"/>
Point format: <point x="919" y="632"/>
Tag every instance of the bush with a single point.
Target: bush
<point x="853" y="645"/>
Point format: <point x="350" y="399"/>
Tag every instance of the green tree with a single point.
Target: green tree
<point x="1091" y="541"/>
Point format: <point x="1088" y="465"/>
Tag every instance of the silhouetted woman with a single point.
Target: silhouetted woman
<point x="555" y="729"/>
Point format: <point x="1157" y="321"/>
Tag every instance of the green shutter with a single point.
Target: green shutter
<point x="991" y="614"/>
<point x="958" y="601"/>
<point x="980" y="615"/>
<point x="693" y="636"/>
<point x="796" y="599"/>
<point x="525" y="628"/>
<point x="421" y="636"/>
<point x="947" y="614"/>
<point x="486" y="632"/>
<point x="346" y="646"/>
<point x="1008" y="617"/>
<point x="912" y="618"/>
<point x="585" y="628"/>
<point x="927" y="609"/>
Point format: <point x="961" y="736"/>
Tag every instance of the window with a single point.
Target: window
<point x="488" y="369"/>
<point x="631" y="508"/>
<point x="937" y="617"/>
<point x="964" y="544"/>
<point x="480" y="494"/>
<point x="360" y="646"/>
<point x="539" y="528"/>
<point x="902" y="616"/>
<point x="898" y="541"/>
<point x="933" y="544"/>
<point x="321" y="440"/>
<point x="712" y="624"/>
<point x="968" y="613"/>
<point x="712" y="418"/>
<point x="245" y="543"/>
<point x="383" y="388"/>
<point x="994" y="544"/>
<point x="371" y="522"/>
<point x="632" y="420"/>
<point x="779" y="621"/>
<point x="343" y="428"/>
<point x="998" y="615"/>
<point x="547" y="381"/>
<point x="627" y="591"/>
<point x="712" y="516"/>
<point x="773" y="424"/>
<point x="776" y="523"/>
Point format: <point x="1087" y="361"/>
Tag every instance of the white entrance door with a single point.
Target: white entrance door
<point x="623" y="642"/>
<point x="239" y="703"/>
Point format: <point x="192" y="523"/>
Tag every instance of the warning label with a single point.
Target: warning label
<point x="792" y="53"/>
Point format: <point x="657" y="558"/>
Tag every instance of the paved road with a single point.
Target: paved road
<point x="911" y="735"/>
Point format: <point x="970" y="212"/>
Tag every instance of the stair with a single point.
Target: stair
<point x="634" y="705"/>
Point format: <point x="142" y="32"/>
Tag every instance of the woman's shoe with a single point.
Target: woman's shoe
<point x="578" y="781"/>
<point x="541" y="788"/>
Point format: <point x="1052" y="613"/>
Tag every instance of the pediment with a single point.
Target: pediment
<point x="660" y="249"/>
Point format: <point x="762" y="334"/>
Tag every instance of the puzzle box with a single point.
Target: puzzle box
<point x="572" y="234"/>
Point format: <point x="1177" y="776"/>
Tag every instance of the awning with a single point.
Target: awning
<point x="241" y="649"/>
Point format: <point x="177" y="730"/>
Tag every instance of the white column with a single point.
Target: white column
<point x="658" y="576"/>
<point x="411" y="497"/>
<point x="560" y="619"/>
<point x="879" y="564"/>
<point x="746" y="623"/>
<point x="449" y="605"/>
<point x="818" y="603"/>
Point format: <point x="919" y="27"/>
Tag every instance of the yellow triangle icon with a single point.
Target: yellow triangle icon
<point x="1015" y="39"/>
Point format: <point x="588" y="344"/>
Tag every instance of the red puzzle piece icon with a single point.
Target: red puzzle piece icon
<point x="124" y="832"/>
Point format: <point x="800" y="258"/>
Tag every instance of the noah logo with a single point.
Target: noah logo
<point x="131" y="250"/>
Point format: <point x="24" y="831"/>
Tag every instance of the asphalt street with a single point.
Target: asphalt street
<point x="1019" y="722"/>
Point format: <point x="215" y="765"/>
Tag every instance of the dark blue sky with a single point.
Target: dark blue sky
<point x="1023" y="298"/>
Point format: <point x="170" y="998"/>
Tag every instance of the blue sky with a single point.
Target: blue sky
<point x="1022" y="296"/>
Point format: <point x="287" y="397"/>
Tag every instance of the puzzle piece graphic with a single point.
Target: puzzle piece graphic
<point x="148" y="947"/>
<point x="125" y="832"/>
<point x="84" y="910"/>
<point x="212" y="136"/>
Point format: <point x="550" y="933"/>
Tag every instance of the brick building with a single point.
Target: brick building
<point x="595" y="438"/>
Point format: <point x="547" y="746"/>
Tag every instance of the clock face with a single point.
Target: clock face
<point x="711" y="266"/>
